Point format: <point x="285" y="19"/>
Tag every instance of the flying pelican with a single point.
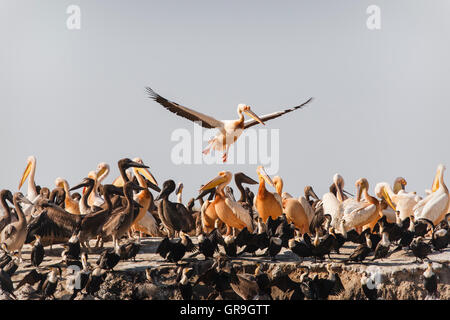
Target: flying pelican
<point x="230" y="130"/>
<point x="434" y="206"/>
<point x="268" y="203"/>
<point x="226" y="208"/>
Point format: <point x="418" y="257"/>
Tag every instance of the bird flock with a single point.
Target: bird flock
<point x="220" y="230"/>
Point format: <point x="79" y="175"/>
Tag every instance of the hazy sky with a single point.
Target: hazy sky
<point x="74" y="98"/>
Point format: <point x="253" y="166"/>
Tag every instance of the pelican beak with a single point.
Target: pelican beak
<point x="313" y="194"/>
<point x="435" y="185"/>
<point x="101" y="171"/>
<point x="179" y="189"/>
<point x="254" y="116"/>
<point x="25" y="174"/>
<point x="214" y="182"/>
<point x="387" y="198"/>
<point x="262" y="173"/>
<point x="134" y="164"/>
<point x="358" y="192"/>
<point x="152" y="185"/>
<point x="147" y="174"/>
<point x="78" y="186"/>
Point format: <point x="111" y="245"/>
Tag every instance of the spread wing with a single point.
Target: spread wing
<point x="250" y="123"/>
<point x="205" y="121"/>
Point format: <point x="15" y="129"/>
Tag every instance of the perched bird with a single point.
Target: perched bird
<point x="275" y="245"/>
<point x="96" y="278"/>
<point x="37" y="252"/>
<point x="174" y="250"/>
<point x="108" y="259"/>
<point x="208" y="244"/>
<point x="361" y="252"/>
<point x="131" y="249"/>
<point x="6" y="283"/>
<point x="420" y="249"/>
<point x="382" y="249"/>
<point x="184" y="285"/>
<point x="368" y="287"/>
<point x="50" y="284"/>
<point x="324" y="287"/>
<point x="302" y="249"/>
<point x="430" y="282"/>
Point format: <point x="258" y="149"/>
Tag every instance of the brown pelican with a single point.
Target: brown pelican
<point x="229" y="130"/>
<point x="6" y="219"/>
<point x="14" y="234"/>
<point x="173" y="215"/>
<point x="119" y="223"/>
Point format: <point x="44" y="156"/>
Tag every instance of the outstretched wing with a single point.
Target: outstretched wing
<point x="250" y="123"/>
<point x="205" y="121"/>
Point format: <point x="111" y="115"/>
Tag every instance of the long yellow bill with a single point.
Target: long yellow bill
<point x="254" y="116"/>
<point x="388" y="199"/>
<point x="261" y="172"/>
<point x="147" y="174"/>
<point x="214" y="182"/>
<point x="25" y="174"/>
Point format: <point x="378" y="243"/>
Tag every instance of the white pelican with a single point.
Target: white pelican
<point x="268" y="203"/>
<point x="332" y="202"/>
<point x="299" y="211"/>
<point x="101" y="173"/>
<point x="358" y="214"/>
<point x="402" y="201"/>
<point x="230" y="130"/>
<point x="434" y="206"/>
<point x="227" y="209"/>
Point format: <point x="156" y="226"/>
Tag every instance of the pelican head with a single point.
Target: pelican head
<point x="224" y="177"/>
<point x="399" y="184"/>
<point x="179" y="188"/>
<point x="361" y="184"/>
<point x="382" y="193"/>
<point x="245" y="108"/>
<point x="102" y="170"/>
<point x="31" y="162"/>
<point x="278" y="182"/>
<point x="310" y="192"/>
<point x="338" y="180"/>
<point x="262" y="175"/>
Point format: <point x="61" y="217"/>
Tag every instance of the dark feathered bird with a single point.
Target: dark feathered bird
<point x="6" y="283"/>
<point x="108" y="259"/>
<point x="275" y="245"/>
<point x="50" y="284"/>
<point x="208" y="244"/>
<point x="131" y="249"/>
<point x="361" y="252"/>
<point x="324" y="287"/>
<point x="382" y="249"/>
<point x="301" y="249"/>
<point x="37" y="252"/>
<point x="174" y="250"/>
<point x="322" y="246"/>
<point x="96" y="278"/>
<point x="420" y="249"/>
<point x="369" y="287"/>
<point x="32" y="278"/>
<point x="430" y="282"/>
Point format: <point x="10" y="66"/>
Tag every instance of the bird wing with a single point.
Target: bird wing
<point x="359" y="214"/>
<point x="31" y="278"/>
<point x="9" y="232"/>
<point x="435" y="207"/>
<point x="240" y="213"/>
<point x="278" y="198"/>
<point x="205" y="121"/>
<point x="307" y="207"/>
<point x="251" y="123"/>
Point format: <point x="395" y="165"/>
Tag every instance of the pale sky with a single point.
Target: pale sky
<point x="74" y="98"/>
